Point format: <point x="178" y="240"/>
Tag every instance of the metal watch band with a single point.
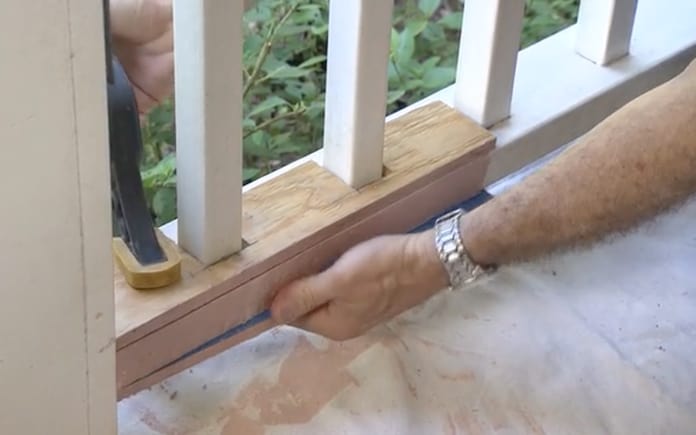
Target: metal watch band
<point x="459" y="266"/>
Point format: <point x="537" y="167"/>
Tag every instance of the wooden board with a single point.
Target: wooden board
<point x="296" y="224"/>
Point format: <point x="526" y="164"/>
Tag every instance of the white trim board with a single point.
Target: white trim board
<point x="57" y="345"/>
<point x="559" y="95"/>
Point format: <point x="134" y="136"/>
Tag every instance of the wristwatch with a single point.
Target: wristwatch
<point x="462" y="270"/>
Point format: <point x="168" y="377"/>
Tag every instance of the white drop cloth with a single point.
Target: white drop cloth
<point x="602" y="341"/>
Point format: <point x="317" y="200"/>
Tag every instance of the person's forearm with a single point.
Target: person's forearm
<point x="635" y="164"/>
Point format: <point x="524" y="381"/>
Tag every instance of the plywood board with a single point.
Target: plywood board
<point x="294" y="225"/>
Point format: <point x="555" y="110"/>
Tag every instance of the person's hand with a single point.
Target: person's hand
<point x="371" y="283"/>
<point x="143" y="43"/>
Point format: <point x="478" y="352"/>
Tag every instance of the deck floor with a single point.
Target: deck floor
<point x="598" y="341"/>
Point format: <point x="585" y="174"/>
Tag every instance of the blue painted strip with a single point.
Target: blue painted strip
<point x="261" y="317"/>
<point x="468" y="205"/>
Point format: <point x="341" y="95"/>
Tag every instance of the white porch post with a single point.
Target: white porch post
<point x="57" y="361"/>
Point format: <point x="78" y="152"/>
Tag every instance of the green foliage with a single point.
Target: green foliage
<point x="285" y="71"/>
<point x="546" y="17"/>
<point x="423" y="51"/>
<point x="159" y="183"/>
<point x="284" y="60"/>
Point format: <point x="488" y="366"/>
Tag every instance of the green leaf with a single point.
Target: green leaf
<point x="392" y="75"/>
<point x="287" y="72"/>
<point x="320" y="30"/>
<point x="309" y="90"/>
<point x="438" y="77"/>
<point x="293" y="91"/>
<point x="158" y="174"/>
<point x="292" y="30"/>
<point x="394" y="41"/>
<point x="452" y="21"/>
<point x="407" y="45"/>
<point x="279" y="139"/>
<point x="428" y="7"/>
<point x="394" y="95"/>
<point x="313" y="61"/>
<point x="249" y="173"/>
<point x="252" y="46"/>
<point x="255" y="144"/>
<point x="164" y="205"/>
<point x="430" y="63"/>
<point x="268" y="104"/>
<point x="413" y="84"/>
<point x="416" y="26"/>
<point x="170" y="182"/>
<point x="435" y="35"/>
<point x="288" y="147"/>
<point x="272" y="63"/>
<point x="315" y="110"/>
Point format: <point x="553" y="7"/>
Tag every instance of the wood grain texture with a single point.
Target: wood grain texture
<point x="294" y="225"/>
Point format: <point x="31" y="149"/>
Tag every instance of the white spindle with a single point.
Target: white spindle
<point x="208" y="74"/>
<point x="489" y="43"/>
<point x="356" y="89"/>
<point x="605" y="28"/>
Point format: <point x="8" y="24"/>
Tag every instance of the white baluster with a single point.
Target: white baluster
<point x="208" y="55"/>
<point x="489" y="43"/>
<point x="605" y="28"/>
<point x="356" y="88"/>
